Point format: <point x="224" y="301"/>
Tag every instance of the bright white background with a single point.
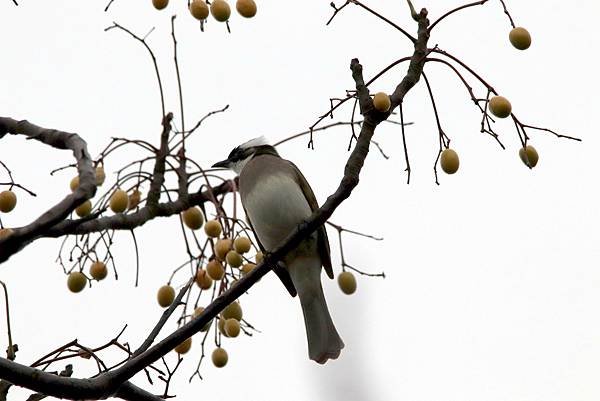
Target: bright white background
<point x="492" y="278"/>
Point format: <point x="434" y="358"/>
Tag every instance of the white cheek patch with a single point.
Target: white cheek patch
<point x="239" y="165"/>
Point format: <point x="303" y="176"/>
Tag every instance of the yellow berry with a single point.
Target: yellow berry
<point x="184" y="347"/>
<point x="213" y="228"/>
<point x="220" y="10"/>
<point x="247" y="268"/>
<point x="134" y="199"/>
<point x="242" y="244"/>
<point x="197" y="312"/>
<point x="6" y="232"/>
<point x="233" y="311"/>
<point x="529" y="156"/>
<point x="246" y="8"/>
<point x="234" y="259"/>
<point x="500" y="106"/>
<point x="84" y="209"/>
<point x="449" y="161"/>
<point x="232" y="327"/>
<point x="100" y="176"/>
<point x="215" y="270"/>
<point x="8" y="201"/>
<point x="203" y="280"/>
<point x="259" y="258"/>
<point x="222" y="248"/>
<point x="74" y="184"/>
<point x="193" y="218"/>
<point x="76" y="281"/>
<point x="119" y="201"/>
<point x="221" y="327"/>
<point x="160" y="4"/>
<point x="347" y="282"/>
<point x="165" y="295"/>
<point x="199" y="9"/>
<point x="219" y="357"/>
<point x="98" y="270"/>
<point x="520" y="38"/>
<point x="382" y="102"/>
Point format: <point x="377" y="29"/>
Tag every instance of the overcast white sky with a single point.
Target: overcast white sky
<point x="492" y="278"/>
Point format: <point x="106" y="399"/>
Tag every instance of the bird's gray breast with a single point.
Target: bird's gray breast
<point x="274" y="203"/>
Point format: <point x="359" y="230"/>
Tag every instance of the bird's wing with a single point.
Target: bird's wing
<point x="281" y="272"/>
<point x="322" y="239"/>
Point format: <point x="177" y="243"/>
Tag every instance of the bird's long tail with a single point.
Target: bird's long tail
<point x="324" y="342"/>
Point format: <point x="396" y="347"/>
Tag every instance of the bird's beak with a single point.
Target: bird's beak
<point x="223" y="164"/>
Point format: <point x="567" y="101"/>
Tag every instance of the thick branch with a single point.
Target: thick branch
<point x="131" y="392"/>
<point x="415" y="69"/>
<point x="139" y="218"/>
<point x="158" y="176"/>
<point x="67" y="387"/>
<point x="21" y="237"/>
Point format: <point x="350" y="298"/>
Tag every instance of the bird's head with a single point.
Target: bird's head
<point x="243" y="153"/>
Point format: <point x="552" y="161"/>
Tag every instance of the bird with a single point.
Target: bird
<point x="276" y="199"/>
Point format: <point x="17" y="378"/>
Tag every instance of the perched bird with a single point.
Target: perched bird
<point x="276" y="198"/>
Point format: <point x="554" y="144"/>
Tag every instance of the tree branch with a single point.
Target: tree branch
<point x="142" y="216"/>
<point x="476" y="3"/>
<point x="158" y="176"/>
<point x="22" y="236"/>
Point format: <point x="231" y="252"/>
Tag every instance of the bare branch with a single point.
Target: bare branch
<point x="131" y="392"/>
<point x="378" y="15"/>
<point x="163" y="319"/>
<point x="10" y="351"/>
<point x="413" y="12"/>
<point x="139" y="218"/>
<point x="21" y="237"/>
<point x="108" y="5"/>
<point x="336" y="10"/>
<point x="548" y="130"/>
<point x="4" y="387"/>
<point x="176" y="61"/>
<point x="188" y="133"/>
<point x="158" y="176"/>
<point x="332" y="125"/>
<point x="407" y="169"/>
<point x="477" y="3"/>
<point x="512" y="23"/>
<point x="143" y="42"/>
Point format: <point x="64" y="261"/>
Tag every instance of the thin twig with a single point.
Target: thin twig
<point x="512" y="23"/>
<point x="163" y="319"/>
<point x="407" y="169"/>
<point x="375" y="13"/>
<point x="178" y="75"/>
<point x="477" y="3"/>
<point x="10" y="352"/>
<point x="336" y="10"/>
<point x="550" y="131"/>
<point x="108" y="5"/>
<point x="143" y="42"/>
